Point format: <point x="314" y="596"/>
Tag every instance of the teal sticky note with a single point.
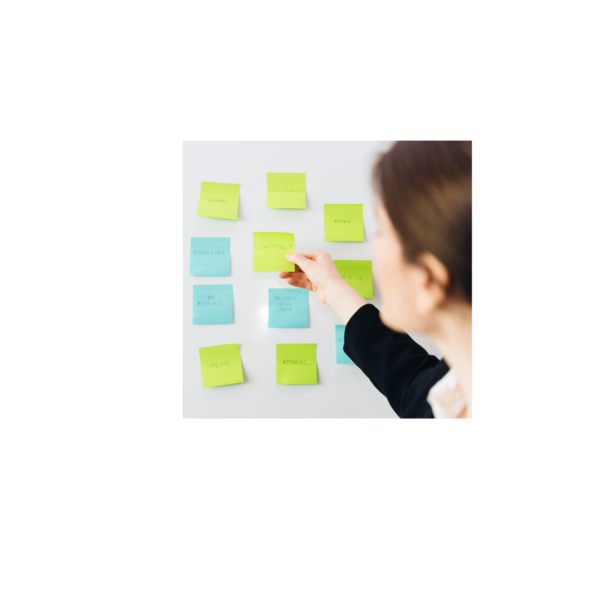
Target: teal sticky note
<point x="288" y="307"/>
<point x="340" y="356"/>
<point x="210" y="257"/>
<point x="213" y="304"/>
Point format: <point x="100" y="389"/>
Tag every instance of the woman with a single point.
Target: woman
<point x="422" y="267"/>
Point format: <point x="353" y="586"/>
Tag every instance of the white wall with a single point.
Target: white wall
<point x="336" y="172"/>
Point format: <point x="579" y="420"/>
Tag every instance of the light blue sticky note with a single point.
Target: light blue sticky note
<point x="341" y="356"/>
<point x="213" y="304"/>
<point x="288" y="307"/>
<point x="209" y="257"/>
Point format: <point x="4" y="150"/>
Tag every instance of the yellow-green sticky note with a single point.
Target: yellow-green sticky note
<point x="286" y="190"/>
<point x="296" y="363"/>
<point x="358" y="274"/>
<point x="270" y="249"/>
<point x="221" y="365"/>
<point x="219" y="200"/>
<point x="344" y="223"/>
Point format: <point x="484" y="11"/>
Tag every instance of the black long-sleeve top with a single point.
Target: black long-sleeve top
<point x="397" y="366"/>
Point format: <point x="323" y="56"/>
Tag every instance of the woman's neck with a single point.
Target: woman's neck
<point x="453" y="337"/>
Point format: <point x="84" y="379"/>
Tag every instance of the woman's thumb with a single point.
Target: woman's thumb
<point x="303" y="262"/>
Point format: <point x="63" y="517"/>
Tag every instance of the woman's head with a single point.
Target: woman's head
<point x="423" y="248"/>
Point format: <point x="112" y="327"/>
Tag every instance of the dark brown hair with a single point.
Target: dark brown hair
<point x="426" y="190"/>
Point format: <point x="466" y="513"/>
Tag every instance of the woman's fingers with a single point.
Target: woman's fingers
<point x="300" y="274"/>
<point x="300" y="260"/>
<point x="310" y="255"/>
<point x="298" y="280"/>
<point x="296" y="274"/>
<point x="301" y="283"/>
<point x="286" y="274"/>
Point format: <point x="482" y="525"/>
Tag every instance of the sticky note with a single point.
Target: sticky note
<point x="270" y="250"/>
<point x="288" y="307"/>
<point x="219" y="200"/>
<point x="221" y="365"/>
<point x="358" y="274"/>
<point x="296" y="363"/>
<point x="286" y="190"/>
<point x="210" y="257"/>
<point x="213" y="304"/>
<point x="344" y="223"/>
<point x="341" y="358"/>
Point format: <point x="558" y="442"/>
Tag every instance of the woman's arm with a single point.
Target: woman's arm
<point x="396" y="365"/>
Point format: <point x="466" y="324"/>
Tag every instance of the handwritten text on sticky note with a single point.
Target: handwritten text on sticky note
<point x="344" y="223"/>
<point x="219" y="200"/>
<point x="286" y="190"/>
<point x="221" y="365"/>
<point x="269" y="251"/>
<point x="210" y="257"/>
<point x="358" y="274"/>
<point x="288" y="307"/>
<point x="296" y="364"/>
<point x="213" y="304"/>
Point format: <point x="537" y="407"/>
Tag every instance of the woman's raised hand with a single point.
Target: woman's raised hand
<point x="315" y="272"/>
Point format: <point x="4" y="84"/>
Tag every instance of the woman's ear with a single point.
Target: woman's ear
<point x="433" y="289"/>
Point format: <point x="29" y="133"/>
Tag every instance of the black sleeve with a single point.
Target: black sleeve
<point x="396" y="365"/>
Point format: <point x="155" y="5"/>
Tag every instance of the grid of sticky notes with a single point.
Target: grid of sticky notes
<point x="296" y="364"/>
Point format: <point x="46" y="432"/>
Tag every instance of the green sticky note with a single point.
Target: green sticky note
<point x="286" y="190"/>
<point x="269" y="252"/>
<point x="221" y="365"/>
<point x="219" y="200"/>
<point x="296" y="363"/>
<point x="344" y="223"/>
<point x="358" y="274"/>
